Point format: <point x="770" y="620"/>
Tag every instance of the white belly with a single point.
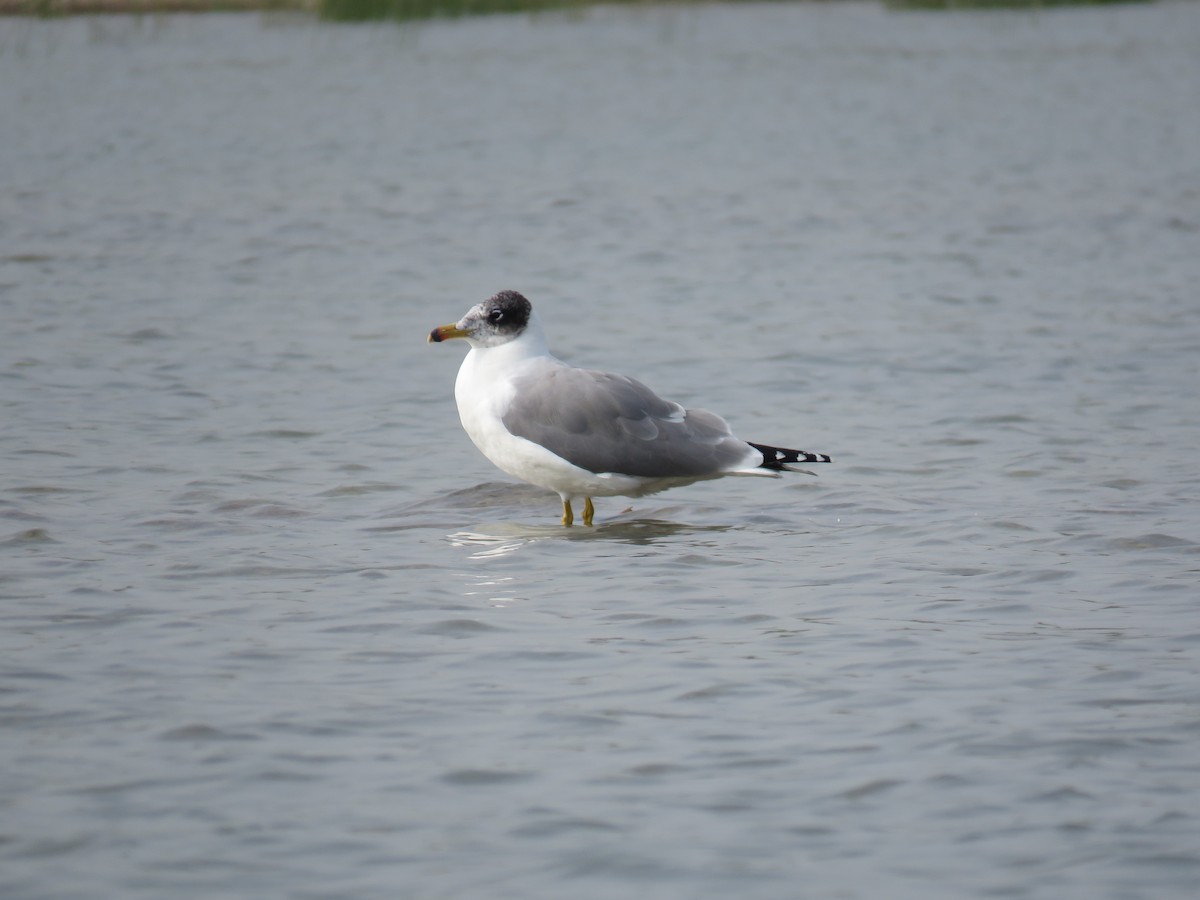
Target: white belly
<point x="481" y="411"/>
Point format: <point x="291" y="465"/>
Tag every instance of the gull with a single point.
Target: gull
<point x="580" y="432"/>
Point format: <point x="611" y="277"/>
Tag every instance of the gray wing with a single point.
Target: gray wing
<point x="609" y="423"/>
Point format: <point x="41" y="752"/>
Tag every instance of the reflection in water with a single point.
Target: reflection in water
<point x="650" y="531"/>
<point x="490" y="543"/>
<point x="524" y="507"/>
<point x="486" y="546"/>
<point x="496" y="589"/>
<point x="505" y="538"/>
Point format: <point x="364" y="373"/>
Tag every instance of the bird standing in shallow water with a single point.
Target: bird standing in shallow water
<point x="583" y="433"/>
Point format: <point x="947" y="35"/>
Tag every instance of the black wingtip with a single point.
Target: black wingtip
<point x="777" y="458"/>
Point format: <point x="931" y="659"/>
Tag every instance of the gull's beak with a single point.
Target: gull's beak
<point x="446" y="332"/>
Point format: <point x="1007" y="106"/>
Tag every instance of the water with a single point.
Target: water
<point x="273" y="628"/>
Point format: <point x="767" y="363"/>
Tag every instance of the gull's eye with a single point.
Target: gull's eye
<point x="496" y="315"/>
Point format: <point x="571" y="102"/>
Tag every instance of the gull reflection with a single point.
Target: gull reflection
<point x="504" y="538"/>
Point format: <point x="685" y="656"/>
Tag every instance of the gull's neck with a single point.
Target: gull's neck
<point x="529" y="344"/>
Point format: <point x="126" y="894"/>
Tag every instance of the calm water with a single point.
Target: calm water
<point x="271" y="627"/>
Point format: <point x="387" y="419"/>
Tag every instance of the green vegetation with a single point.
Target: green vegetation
<point x="50" y="8"/>
<point x="361" y="10"/>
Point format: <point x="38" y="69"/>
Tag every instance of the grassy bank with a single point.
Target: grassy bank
<point x="49" y="8"/>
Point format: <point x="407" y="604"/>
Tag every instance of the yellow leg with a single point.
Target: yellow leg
<point x="568" y="516"/>
<point x="588" y="511"/>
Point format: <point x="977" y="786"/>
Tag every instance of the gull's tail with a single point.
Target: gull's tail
<point x="777" y="458"/>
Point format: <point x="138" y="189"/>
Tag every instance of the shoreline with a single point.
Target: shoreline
<point x="376" y="9"/>
<point x="52" y="8"/>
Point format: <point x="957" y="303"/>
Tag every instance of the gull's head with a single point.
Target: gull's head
<point x="497" y="320"/>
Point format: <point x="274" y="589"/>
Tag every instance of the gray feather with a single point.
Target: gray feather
<point x="609" y="423"/>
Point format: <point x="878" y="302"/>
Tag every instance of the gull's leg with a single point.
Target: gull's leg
<point x="568" y="516"/>
<point x="588" y="511"/>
